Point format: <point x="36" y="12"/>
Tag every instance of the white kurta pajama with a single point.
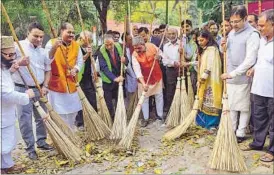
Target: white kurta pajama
<point x="65" y="104"/>
<point x="244" y="41"/>
<point x="10" y="98"/>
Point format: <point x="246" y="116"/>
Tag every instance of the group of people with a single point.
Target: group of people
<point x="66" y="60"/>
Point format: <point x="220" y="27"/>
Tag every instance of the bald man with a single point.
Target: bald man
<point x="110" y="58"/>
<point x="171" y="61"/>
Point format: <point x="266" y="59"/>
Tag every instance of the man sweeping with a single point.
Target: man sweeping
<point x="40" y="64"/>
<point x="11" y="98"/>
<point x="67" y="59"/>
<point x="86" y="76"/>
<point x="242" y="49"/>
<point x="190" y="48"/>
<point x="110" y="58"/>
<point x="142" y="61"/>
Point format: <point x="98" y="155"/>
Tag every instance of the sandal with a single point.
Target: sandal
<point x="267" y="158"/>
<point x="18" y="168"/>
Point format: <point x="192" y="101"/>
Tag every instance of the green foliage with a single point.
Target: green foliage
<point x="21" y="13"/>
<point x="212" y="9"/>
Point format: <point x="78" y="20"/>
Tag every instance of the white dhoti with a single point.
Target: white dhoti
<point x="239" y="103"/>
<point x="66" y="105"/>
<point x="8" y="143"/>
<point x="239" y="97"/>
<point x="157" y="90"/>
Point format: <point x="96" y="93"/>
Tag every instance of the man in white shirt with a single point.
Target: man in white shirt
<point x="40" y="65"/>
<point x="172" y="61"/>
<point x="262" y="88"/>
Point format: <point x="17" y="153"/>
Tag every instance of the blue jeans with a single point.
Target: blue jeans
<point x="25" y="122"/>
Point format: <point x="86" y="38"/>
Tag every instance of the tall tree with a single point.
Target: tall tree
<point x="102" y="8"/>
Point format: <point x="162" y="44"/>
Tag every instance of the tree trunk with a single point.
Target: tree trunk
<point x="102" y="8"/>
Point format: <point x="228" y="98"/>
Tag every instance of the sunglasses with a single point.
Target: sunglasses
<point x="9" y="54"/>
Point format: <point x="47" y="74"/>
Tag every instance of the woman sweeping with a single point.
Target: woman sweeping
<point x="210" y="83"/>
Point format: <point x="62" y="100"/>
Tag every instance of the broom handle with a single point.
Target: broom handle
<point x="154" y="61"/>
<point x="224" y="52"/>
<point x="48" y="18"/>
<point x="153" y="16"/>
<point x="20" y="47"/>
<point x="124" y="45"/>
<point x="180" y="19"/>
<point x="184" y="32"/>
<point x="87" y="41"/>
<point x="259" y="7"/>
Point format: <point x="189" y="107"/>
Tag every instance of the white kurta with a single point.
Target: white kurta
<point x="66" y="103"/>
<point x="9" y="98"/>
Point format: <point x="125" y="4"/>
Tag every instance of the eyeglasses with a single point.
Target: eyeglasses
<point x="9" y="54"/>
<point x="235" y="22"/>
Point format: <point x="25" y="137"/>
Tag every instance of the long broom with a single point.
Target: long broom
<point x="174" y="115"/>
<point x="226" y="154"/>
<point x="101" y="103"/>
<point x="132" y="104"/>
<point x="94" y="125"/>
<point x="72" y="152"/>
<point x="128" y="137"/>
<point x="190" y="92"/>
<point x="120" y="119"/>
<point x="182" y="128"/>
<point x="63" y="144"/>
<point x="185" y="102"/>
<point x="56" y="117"/>
<point x="59" y="139"/>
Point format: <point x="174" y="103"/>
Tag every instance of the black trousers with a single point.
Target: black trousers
<point x="91" y="96"/>
<point x="263" y="122"/>
<point x="171" y="81"/>
<point x="110" y="93"/>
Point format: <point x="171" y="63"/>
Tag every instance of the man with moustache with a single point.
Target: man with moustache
<point x="213" y="29"/>
<point x="262" y="88"/>
<point x="110" y="59"/>
<point x="190" y="49"/>
<point x="142" y="60"/>
<point x="253" y="20"/>
<point x="67" y="59"/>
<point x="40" y="65"/>
<point x="171" y="60"/>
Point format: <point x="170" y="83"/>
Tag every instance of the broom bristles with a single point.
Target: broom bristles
<point x="60" y="140"/>
<point x="132" y="104"/>
<point x="126" y="141"/>
<point x="182" y="128"/>
<point x="185" y="104"/>
<point x="103" y="110"/>
<point x="62" y="124"/>
<point x="190" y="92"/>
<point x="120" y="119"/>
<point x="173" y="116"/>
<point x="226" y="154"/>
<point x="95" y="127"/>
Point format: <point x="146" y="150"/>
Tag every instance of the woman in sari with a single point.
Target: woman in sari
<point x="210" y="83"/>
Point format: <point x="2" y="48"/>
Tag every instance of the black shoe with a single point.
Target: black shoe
<point x="33" y="155"/>
<point x="45" y="147"/>
<point x="144" y="123"/>
<point x="240" y="139"/>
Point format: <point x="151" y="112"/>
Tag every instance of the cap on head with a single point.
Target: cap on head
<point x="137" y="40"/>
<point x="7" y="42"/>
